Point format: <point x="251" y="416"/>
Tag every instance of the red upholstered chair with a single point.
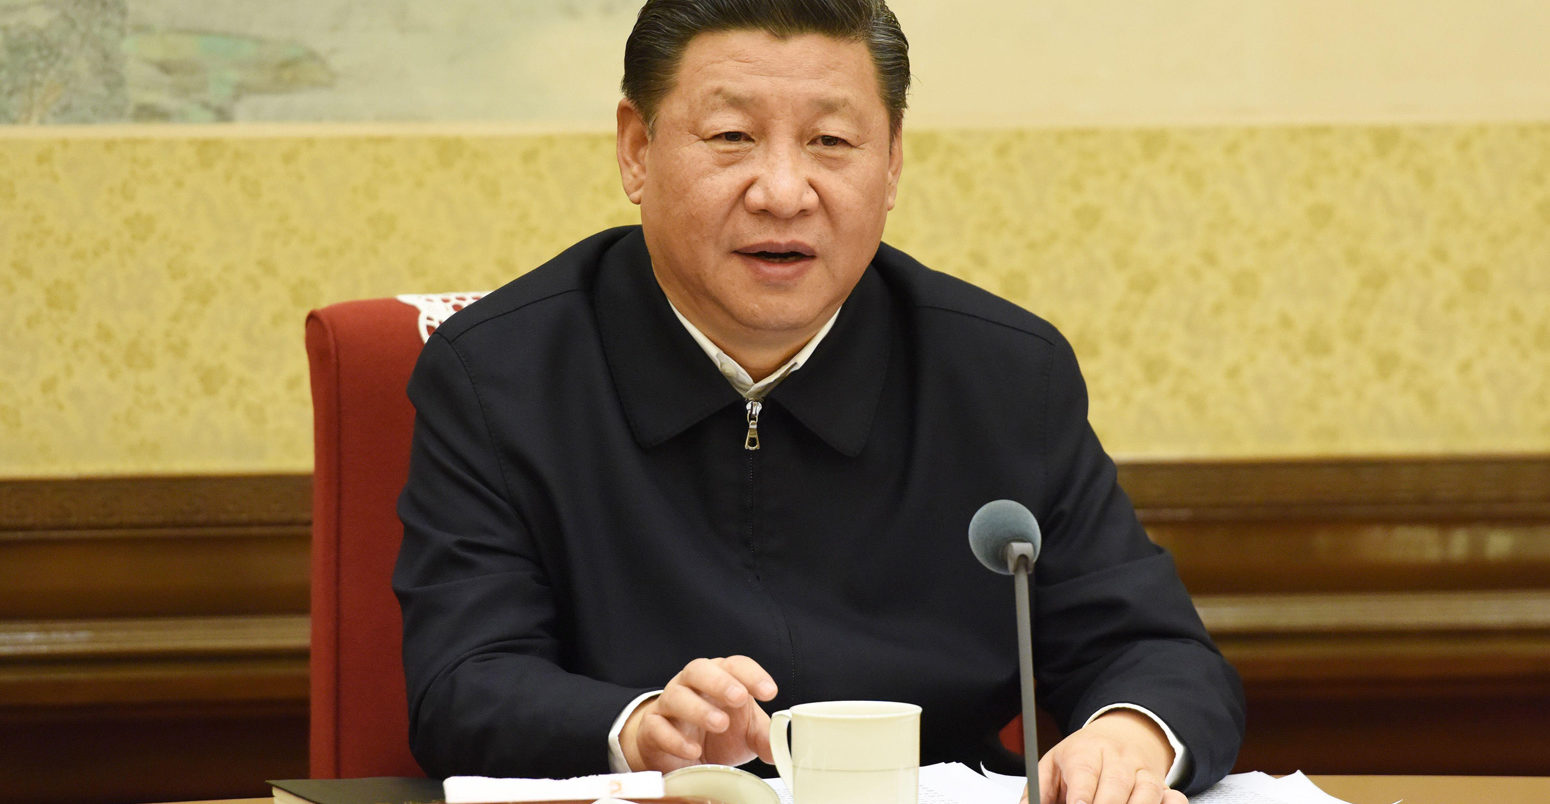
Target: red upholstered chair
<point x="361" y="354"/>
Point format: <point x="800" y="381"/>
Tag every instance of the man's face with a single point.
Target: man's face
<point x="765" y="185"/>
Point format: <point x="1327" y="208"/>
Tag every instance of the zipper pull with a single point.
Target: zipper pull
<point x="751" y="443"/>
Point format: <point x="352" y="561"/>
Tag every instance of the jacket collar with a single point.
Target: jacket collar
<point x="666" y="385"/>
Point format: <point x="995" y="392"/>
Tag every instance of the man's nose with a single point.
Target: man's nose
<point x="782" y="186"/>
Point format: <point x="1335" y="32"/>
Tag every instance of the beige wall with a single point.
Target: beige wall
<point x="1375" y="279"/>
<point x="1227" y="62"/>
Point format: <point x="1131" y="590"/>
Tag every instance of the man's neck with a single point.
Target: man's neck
<point x="761" y="363"/>
<point x="746" y="382"/>
<point x="759" y="356"/>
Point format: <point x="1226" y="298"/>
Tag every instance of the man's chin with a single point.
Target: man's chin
<point x="783" y="326"/>
<point x="775" y="272"/>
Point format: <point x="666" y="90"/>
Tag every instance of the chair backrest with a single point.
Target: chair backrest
<point x="361" y="354"/>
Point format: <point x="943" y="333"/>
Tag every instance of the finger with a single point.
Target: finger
<point x="1116" y="785"/>
<point x="1049" y="782"/>
<point x="1174" y="797"/>
<point x="711" y="679"/>
<point x="758" y="735"/>
<point x="1079" y="775"/>
<point x="661" y="737"/>
<point x="752" y="676"/>
<point x="1148" y="789"/>
<point x="683" y="705"/>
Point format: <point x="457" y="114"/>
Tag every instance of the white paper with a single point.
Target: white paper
<point x="1254" y="787"/>
<point x="1307" y="791"/>
<point x="484" y="789"/>
<point x="955" y="783"/>
<point x="946" y="783"/>
<point x="1014" y="784"/>
<point x="1262" y="788"/>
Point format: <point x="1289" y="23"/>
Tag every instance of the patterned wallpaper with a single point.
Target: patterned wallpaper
<point x="1231" y="291"/>
<point x="1268" y="291"/>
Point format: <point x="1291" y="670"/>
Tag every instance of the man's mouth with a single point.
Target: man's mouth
<point x="779" y="253"/>
<point x="778" y="256"/>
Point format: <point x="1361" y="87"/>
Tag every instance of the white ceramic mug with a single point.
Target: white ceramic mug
<point x="849" y="752"/>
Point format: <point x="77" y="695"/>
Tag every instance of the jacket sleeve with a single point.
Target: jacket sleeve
<point x="483" y="635"/>
<point x="1114" y="622"/>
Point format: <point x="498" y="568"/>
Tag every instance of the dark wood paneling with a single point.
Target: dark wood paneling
<point x="1390" y="682"/>
<point x="153" y="637"/>
<point x="129" y="754"/>
<point x="160" y="661"/>
<point x="1497" y="731"/>
<point x="182" y="502"/>
<point x="166" y="546"/>
<point x="1430" y="489"/>
<point x="1306" y="526"/>
<point x="151" y="709"/>
<point x="1356" y="555"/>
<point x="1387" y="615"/>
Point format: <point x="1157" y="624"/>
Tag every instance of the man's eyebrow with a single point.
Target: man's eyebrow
<point x="736" y="100"/>
<point x="832" y="104"/>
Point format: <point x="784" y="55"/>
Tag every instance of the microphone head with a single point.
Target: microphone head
<point x="996" y="526"/>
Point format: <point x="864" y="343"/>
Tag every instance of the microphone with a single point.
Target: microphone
<point x="1005" y="538"/>
<point x="1000" y="526"/>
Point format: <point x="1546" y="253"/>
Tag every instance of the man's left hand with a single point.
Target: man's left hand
<point x="1122" y="757"/>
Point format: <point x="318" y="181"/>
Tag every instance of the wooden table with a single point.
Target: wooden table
<point x="1437" y="789"/>
<point x="1372" y="790"/>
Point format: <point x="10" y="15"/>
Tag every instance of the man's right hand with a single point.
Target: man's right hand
<point x="708" y="713"/>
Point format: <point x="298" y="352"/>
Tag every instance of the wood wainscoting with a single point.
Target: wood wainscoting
<point x="153" y="637"/>
<point x="1387" y="616"/>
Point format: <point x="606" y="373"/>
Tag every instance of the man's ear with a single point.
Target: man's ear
<point x="895" y="164"/>
<point x="631" y="143"/>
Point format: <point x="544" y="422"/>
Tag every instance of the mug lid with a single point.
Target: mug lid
<point x="719" y="783"/>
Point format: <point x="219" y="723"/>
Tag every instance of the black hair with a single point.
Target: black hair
<point x="664" y="28"/>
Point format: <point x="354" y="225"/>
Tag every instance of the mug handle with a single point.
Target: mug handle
<point x="780" y="746"/>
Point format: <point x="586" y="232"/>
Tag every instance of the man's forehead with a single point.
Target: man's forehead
<point x="728" y="69"/>
<point x="722" y="95"/>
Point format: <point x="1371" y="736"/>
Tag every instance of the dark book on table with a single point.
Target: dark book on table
<point x="369" y="790"/>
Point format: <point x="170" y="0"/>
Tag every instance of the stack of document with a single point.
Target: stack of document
<point x="952" y="783"/>
<point x="1262" y="788"/>
<point x="643" y="786"/>
<point x="945" y="783"/>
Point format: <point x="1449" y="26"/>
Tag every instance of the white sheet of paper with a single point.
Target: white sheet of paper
<point x="1012" y="783"/>
<point x="946" y="783"/>
<point x="1305" y="790"/>
<point x="955" y="783"/>
<point x="475" y="789"/>
<point x="1262" y="788"/>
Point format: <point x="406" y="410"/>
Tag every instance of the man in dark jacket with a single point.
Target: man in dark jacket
<point x="595" y="575"/>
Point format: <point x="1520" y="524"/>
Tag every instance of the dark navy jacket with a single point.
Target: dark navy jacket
<point x="582" y="519"/>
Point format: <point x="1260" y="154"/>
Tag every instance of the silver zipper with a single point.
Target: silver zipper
<point x="751" y="442"/>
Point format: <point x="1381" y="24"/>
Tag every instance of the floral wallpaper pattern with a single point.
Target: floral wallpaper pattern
<point x="1230" y="291"/>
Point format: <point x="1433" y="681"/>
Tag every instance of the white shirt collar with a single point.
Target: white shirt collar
<point x="739" y="376"/>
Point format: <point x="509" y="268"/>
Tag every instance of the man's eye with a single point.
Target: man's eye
<point x="830" y="141"/>
<point x="732" y="136"/>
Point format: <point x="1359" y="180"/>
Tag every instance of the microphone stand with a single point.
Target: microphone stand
<point x="1020" y="556"/>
